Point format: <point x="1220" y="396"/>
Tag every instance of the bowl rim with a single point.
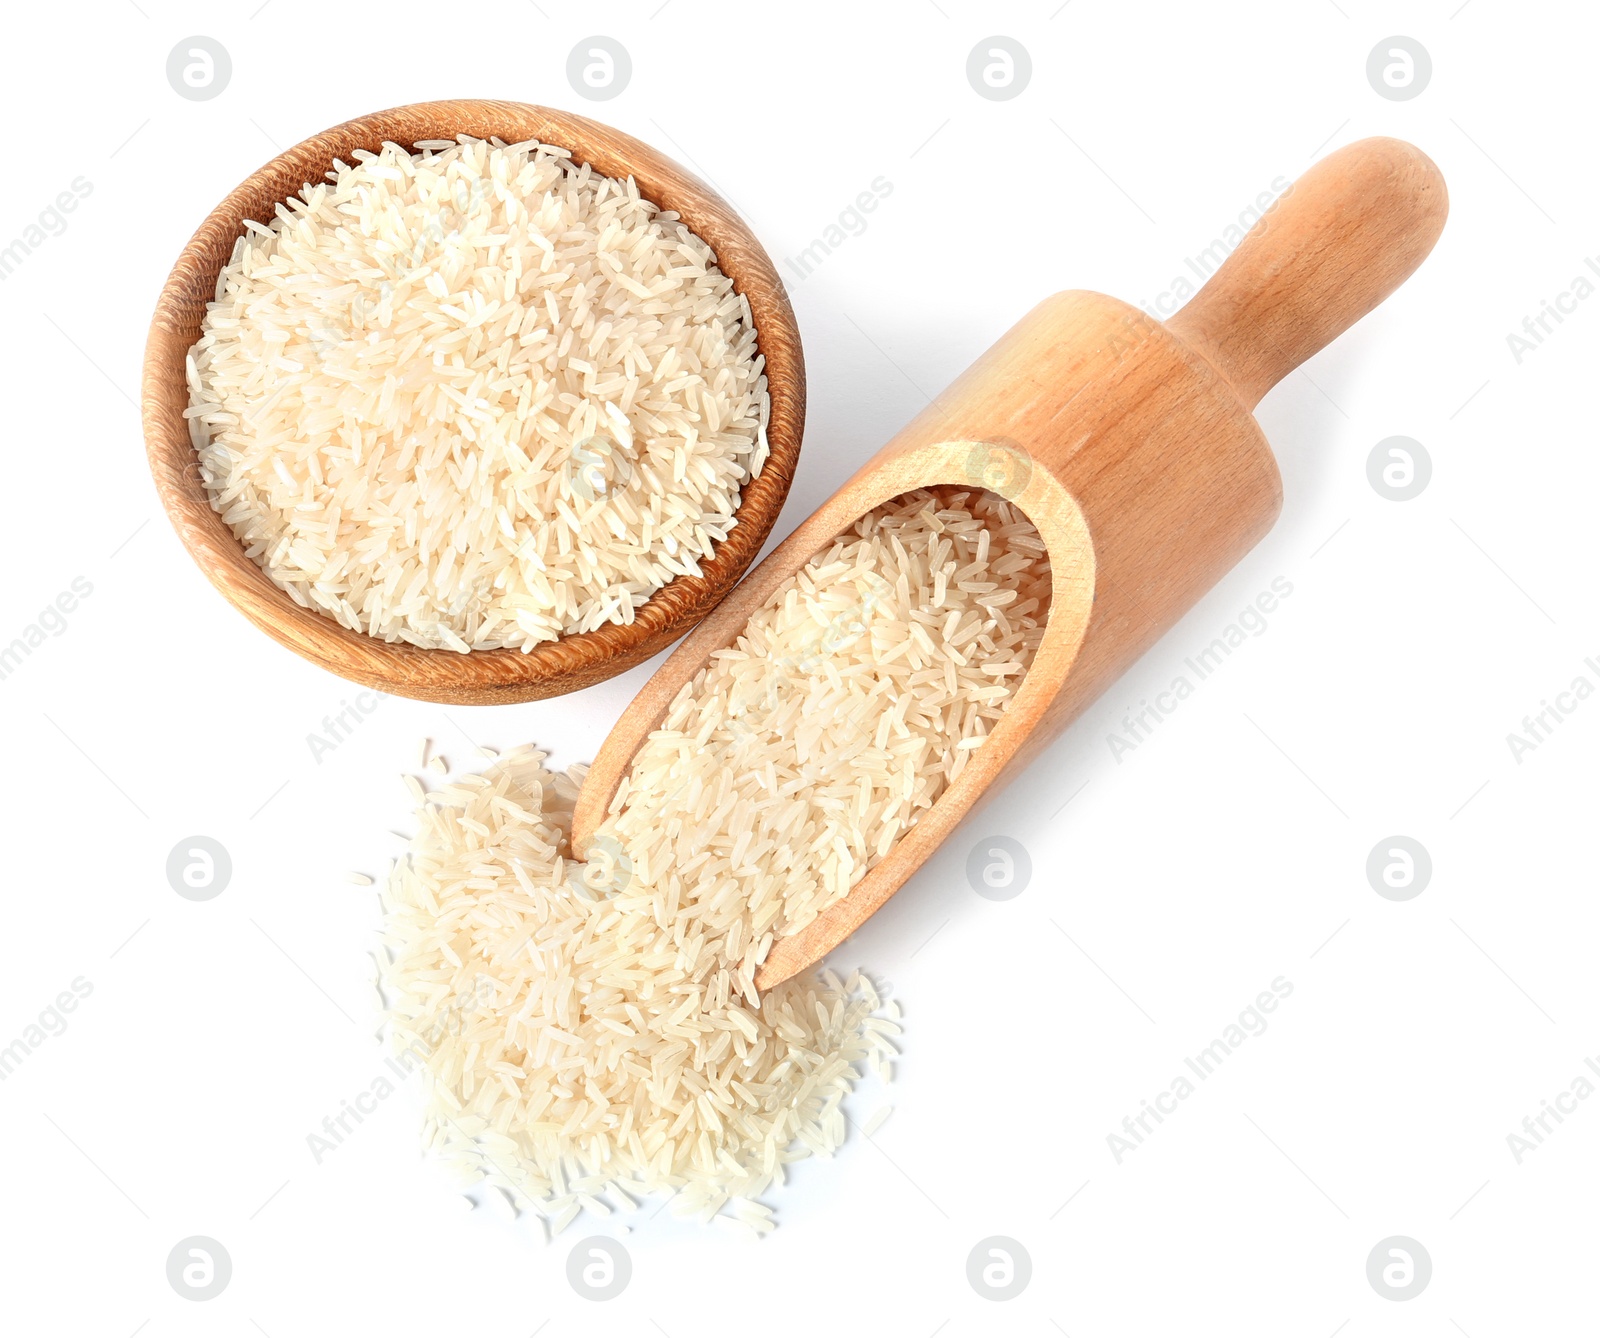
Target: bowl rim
<point x="480" y="676"/>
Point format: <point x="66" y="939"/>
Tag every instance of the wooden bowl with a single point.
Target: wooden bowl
<point x="480" y="676"/>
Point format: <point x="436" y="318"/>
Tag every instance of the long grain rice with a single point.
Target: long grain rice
<point x="475" y="396"/>
<point x="584" y="1027"/>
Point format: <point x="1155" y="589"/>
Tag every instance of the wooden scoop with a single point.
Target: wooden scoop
<point x="1129" y="443"/>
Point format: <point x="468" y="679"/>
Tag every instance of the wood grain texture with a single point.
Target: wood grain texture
<point x="483" y="676"/>
<point x="1129" y="444"/>
<point x="1334" y="245"/>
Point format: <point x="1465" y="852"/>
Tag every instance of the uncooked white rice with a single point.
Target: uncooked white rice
<point x="839" y="715"/>
<point x="475" y="396"/>
<point x="876" y="1120"/>
<point x="590" y="1033"/>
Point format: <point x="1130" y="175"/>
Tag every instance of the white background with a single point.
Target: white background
<point x="1228" y="850"/>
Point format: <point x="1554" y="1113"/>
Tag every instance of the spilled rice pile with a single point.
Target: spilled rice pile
<point x="591" y="1033"/>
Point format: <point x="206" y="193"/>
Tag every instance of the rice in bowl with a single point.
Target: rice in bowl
<point x="475" y="396"/>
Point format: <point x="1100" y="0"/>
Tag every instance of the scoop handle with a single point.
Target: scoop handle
<point x="1343" y="237"/>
